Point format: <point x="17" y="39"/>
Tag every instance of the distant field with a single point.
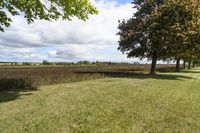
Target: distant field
<point x="167" y="102"/>
<point x="31" y="77"/>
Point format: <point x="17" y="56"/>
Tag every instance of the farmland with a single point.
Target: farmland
<point x="120" y="99"/>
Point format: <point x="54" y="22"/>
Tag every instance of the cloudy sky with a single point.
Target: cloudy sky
<point x="74" y="40"/>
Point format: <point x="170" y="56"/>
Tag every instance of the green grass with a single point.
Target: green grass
<point x="168" y="102"/>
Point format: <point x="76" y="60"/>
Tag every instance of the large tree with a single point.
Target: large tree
<point x="139" y="36"/>
<point x="44" y="9"/>
<point x="156" y="30"/>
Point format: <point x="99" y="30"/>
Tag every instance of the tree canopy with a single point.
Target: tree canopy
<point x="160" y="30"/>
<point x="44" y="9"/>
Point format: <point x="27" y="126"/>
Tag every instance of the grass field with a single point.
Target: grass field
<point x="167" y="102"/>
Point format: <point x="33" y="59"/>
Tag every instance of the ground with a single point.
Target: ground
<point x="168" y="102"/>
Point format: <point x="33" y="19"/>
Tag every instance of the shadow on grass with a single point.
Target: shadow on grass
<point x="12" y="89"/>
<point x="186" y="71"/>
<point x="141" y="75"/>
<point x="10" y="95"/>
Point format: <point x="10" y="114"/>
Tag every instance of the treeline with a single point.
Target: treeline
<point x="45" y="62"/>
<point x="162" y="30"/>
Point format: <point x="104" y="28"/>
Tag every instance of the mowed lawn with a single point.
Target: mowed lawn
<point x="168" y="102"/>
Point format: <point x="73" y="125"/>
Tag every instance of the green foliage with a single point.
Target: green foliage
<point x="64" y="63"/>
<point x="45" y="10"/>
<point x="46" y="62"/>
<point x="26" y="63"/>
<point x="83" y="63"/>
<point x="160" y="30"/>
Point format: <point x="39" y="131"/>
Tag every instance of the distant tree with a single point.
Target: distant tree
<point x="46" y="62"/>
<point x="44" y="9"/>
<point x="83" y="63"/>
<point x="26" y="63"/>
<point x="136" y="63"/>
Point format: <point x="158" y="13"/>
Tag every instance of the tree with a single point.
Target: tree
<point x="44" y="9"/>
<point x="156" y="30"/>
<point x="139" y="35"/>
<point x="46" y="62"/>
<point x="176" y="16"/>
<point x="192" y="48"/>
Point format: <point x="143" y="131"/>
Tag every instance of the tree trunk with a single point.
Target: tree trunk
<point x="153" y="64"/>
<point x="177" y="65"/>
<point x="189" y="65"/>
<point x="184" y="64"/>
<point x="193" y="64"/>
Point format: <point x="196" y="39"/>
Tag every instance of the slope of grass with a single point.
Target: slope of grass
<point x="168" y="102"/>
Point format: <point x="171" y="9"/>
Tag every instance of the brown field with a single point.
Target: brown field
<point x="24" y="77"/>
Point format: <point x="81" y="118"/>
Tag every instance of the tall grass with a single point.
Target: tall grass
<point x="33" y="77"/>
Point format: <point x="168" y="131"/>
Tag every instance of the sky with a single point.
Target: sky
<point x="124" y="1"/>
<point x="67" y="41"/>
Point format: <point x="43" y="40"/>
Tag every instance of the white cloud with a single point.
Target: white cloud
<point x="73" y="40"/>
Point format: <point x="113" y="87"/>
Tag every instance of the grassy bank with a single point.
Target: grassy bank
<point x="167" y="102"/>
